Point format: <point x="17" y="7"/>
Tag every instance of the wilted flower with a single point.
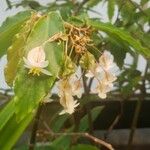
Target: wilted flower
<point x="102" y="89"/>
<point x="66" y="97"/>
<point x="68" y="102"/>
<point x="35" y="61"/>
<point x="106" y="60"/>
<point x="108" y="77"/>
<point x="76" y="86"/>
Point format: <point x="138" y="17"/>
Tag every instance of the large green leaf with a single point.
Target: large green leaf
<point x="30" y="90"/>
<point x="6" y="113"/>
<point x="9" y="28"/>
<point x="26" y="99"/>
<point x="120" y="34"/>
<point x="12" y="131"/>
<point x="16" y="50"/>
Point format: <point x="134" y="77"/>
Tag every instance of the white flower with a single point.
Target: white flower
<point x="35" y="61"/>
<point x="106" y="60"/>
<point x="102" y="89"/>
<point x="68" y="102"/>
<point x="92" y="72"/>
<point x="102" y="72"/>
<point x="77" y="88"/>
<point x="108" y="77"/>
<point x="66" y="97"/>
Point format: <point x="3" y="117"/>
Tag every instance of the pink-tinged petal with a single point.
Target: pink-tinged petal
<point x="44" y="64"/>
<point x="109" y="77"/>
<point x="44" y="71"/>
<point x="106" y="60"/>
<point x="36" y="55"/>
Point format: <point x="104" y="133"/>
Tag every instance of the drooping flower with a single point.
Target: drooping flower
<point x="66" y="97"/>
<point x="102" y="71"/>
<point x="106" y="60"/>
<point x="36" y="62"/>
<point x="108" y="77"/>
<point x="92" y="72"/>
<point x="76" y="86"/>
<point x="102" y="89"/>
<point x="68" y="102"/>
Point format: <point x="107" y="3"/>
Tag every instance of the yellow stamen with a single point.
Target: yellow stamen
<point x="35" y="71"/>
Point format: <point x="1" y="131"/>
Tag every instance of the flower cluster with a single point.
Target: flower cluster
<point x="102" y="71"/>
<point x="68" y="88"/>
<point x="35" y="61"/>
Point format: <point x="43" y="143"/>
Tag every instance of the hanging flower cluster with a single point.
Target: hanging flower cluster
<point x="77" y="40"/>
<point x="68" y="88"/>
<point x="102" y="72"/>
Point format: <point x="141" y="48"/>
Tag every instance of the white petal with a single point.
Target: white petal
<point x="46" y="72"/>
<point x="98" y="69"/>
<point x="106" y="60"/>
<point x="102" y="95"/>
<point x="79" y="94"/>
<point x="44" y="64"/>
<point x="29" y="67"/>
<point x="109" y="77"/>
<point x="27" y="63"/>
<point x="36" y="54"/>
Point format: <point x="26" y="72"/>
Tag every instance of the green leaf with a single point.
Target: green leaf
<point x="111" y="8"/>
<point x="120" y="34"/>
<point x="58" y="122"/>
<point x="62" y="143"/>
<point x="6" y="113"/>
<point x="118" y="50"/>
<point x="9" y="28"/>
<point x="129" y="81"/>
<point x="29" y="90"/>
<point x="84" y="121"/>
<point x="143" y="2"/>
<point x="16" y="50"/>
<point x="26" y="100"/>
<point x="84" y="147"/>
<point x="12" y="131"/>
